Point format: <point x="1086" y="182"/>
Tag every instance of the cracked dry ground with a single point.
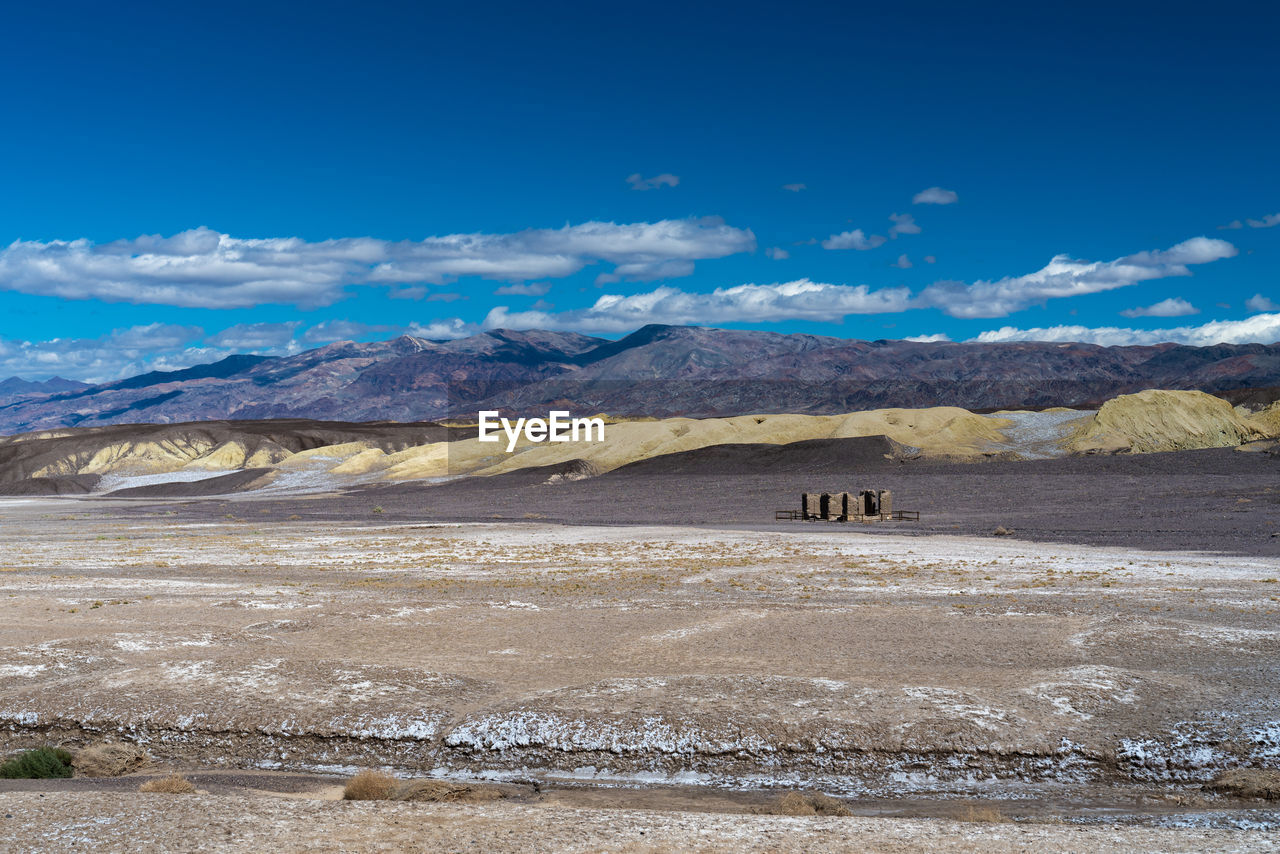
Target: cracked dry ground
<point x="882" y="667"/>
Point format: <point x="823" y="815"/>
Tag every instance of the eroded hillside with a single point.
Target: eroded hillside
<point x="309" y="456"/>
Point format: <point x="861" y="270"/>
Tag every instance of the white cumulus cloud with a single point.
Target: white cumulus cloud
<point x="815" y="301"/>
<point x="1258" y="329"/>
<point x="1258" y="302"/>
<point x="1066" y="277"/>
<point x="203" y="268"/>
<point x="777" y="253"/>
<point x="799" y="300"/>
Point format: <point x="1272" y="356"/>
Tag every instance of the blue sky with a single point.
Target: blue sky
<point x="184" y="182"/>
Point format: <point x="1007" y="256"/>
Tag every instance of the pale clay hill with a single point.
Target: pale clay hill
<point x="316" y="457"/>
<point x="1153" y="421"/>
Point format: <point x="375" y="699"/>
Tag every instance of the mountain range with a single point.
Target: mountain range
<point x="657" y="371"/>
<point x="15" y="387"/>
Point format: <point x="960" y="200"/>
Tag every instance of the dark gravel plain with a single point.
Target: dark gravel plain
<point x="1216" y="500"/>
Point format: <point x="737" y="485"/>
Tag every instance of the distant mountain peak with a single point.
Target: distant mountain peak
<point x="658" y="370"/>
<point x="410" y="344"/>
<point x="17" y="385"/>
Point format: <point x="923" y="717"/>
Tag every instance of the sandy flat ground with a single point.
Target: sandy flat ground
<point x="925" y="669"/>
<point x="107" y="823"/>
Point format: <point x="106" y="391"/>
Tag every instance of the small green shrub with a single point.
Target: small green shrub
<point x="38" y="764"/>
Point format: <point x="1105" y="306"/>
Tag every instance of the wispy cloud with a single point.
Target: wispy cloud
<point x="639" y="182"/>
<point x="1171" y="307"/>
<point x="860" y="240"/>
<point x="647" y="271"/>
<point x="1258" y="302"/>
<point x="799" y="300"/>
<point x="1259" y="329"/>
<point x="159" y="336"/>
<point x="777" y="253"/>
<point x="855" y="239"/>
<point x="202" y="268"/>
<point x="255" y="336"/>
<point x="903" y="224"/>
<point x="903" y="262"/>
<point x="935" y="196"/>
<point x="532" y="289"/>
<point x="411" y="292"/>
<point x="1268" y="221"/>
<point x="1067" y="277"/>
<point x="794" y="188"/>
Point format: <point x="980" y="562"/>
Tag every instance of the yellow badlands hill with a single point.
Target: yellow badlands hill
<point x="1146" y="422"/>
<point x="1152" y="421"/>
<point x="156" y="457"/>
<point x="1266" y="420"/>
<point x="940" y="431"/>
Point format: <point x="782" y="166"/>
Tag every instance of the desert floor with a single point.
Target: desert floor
<point x="644" y="686"/>
<point x="1217" y="499"/>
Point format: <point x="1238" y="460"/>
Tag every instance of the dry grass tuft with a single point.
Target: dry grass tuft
<point x="983" y="815"/>
<point x="110" y="759"/>
<point x="827" y="805"/>
<point x="174" y="784"/>
<point x="369" y="786"/>
<point x="1002" y="531"/>
<point x="805" y="803"/>
<point x="444" y="791"/>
